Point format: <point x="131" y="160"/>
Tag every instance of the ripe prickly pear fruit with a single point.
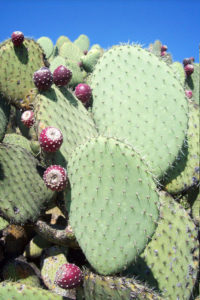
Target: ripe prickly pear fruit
<point x="43" y="79"/>
<point x="68" y="276"/>
<point x="27" y="118"/>
<point x="163" y="53"/>
<point x="164" y="48"/>
<point x="55" y="178"/>
<point x="62" y="76"/>
<point x="85" y="52"/>
<point x="188" y="94"/>
<point x="17" y="38"/>
<point x="51" y="139"/>
<point x="83" y="92"/>
<point x="189" y="69"/>
<point x="187" y="61"/>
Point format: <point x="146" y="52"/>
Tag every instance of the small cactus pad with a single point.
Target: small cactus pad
<point x="186" y="170"/>
<point x="4" y="117"/>
<point x="19" y="291"/>
<point x="137" y="98"/>
<point x="70" y="51"/>
<point x="17" y="65"/>
<point x="35" y="247"/>
<point x="60" y="108"/>
<point x="89" y="61"/>
<point x="82" y="42"/>
<point x="17" y="139"/>
<point x="98" y="287"/>
<point x="23" y="192"/>
<point x="171" y="258"/>
<point x="110" y="176"/>
<point x="3" y="223"/>
<point x="46" y="44"/>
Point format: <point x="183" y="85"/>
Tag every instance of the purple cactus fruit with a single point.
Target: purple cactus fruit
<point x="27" y="118"/>
<point x="68" y="276"/>
<point x="17" y="38"/>
<point x="55" y="178"/>
<point x="187" y="61"/>
<point x="50" y="139"/>
<point x="85" y="52"/>
<point x="189" y="69"/>
<point x="83" y="92"/>
<point x="61" y="76"/>
<point x="188" y="94"/>
<point x="43" y="79"/>
<point x="80" y="64"/>
<point x="164" y="48"/>
<point x="192" y="59"/>
<point x="163" y="53"/>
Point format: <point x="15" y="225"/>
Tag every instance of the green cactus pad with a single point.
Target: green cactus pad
<point x="61" y="109"/>
<point x="82" y="42"/>
<point x="4" y="117"/>
<point x="35" y="247"/>
<point x="170" y="260"/>
<point x="17" y="66"/>
<point x="23" y="193"/>
<point x="179" y="71"/>
<point x="98" y="287"/>
<point x="137" y="98"/>
<point x="47" y="45"/>
<point x="70" y="51"/>
<point x="89" y="61"/>
<point x="21" y="271"/>
<point x="61" y="40"/>
<point x="52" y="259"/>
<point x="17" y="139"/>
<point x="185" y="172"/>
<point x="193" y="83"/>
<point x="111" y="177"/>
<point x="19" y="291"/>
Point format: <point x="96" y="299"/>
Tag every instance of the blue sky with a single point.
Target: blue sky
<point x="175" y="23"/>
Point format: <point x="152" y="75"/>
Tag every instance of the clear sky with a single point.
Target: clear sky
<point x="175" y="23"/>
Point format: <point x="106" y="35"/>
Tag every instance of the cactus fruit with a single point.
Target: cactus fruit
<point x="61" y="76"/>
<point x="43" y="79"/>
<point x="50" y="139"/>
<point x="68" y="276"/>
<point x="192" y="83"/>
<point x="55" y="178"/>
<point x="187" y="61"/>
<point x="27" y="118"/>
<point x="164" y="48"/>
<point x="17" y="38"/>
<point x="188" y="94"/>
<point x="83" y="92"/>
<point x="189" y="69"/>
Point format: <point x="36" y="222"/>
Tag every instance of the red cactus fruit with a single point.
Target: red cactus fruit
<point x="187" y="61"/>
<point x="50" y="139"/>
<point x="55" y="178"/>
<point x="85" y="52"/>
<point x="188" y="94"/>
<point x="192" y="59"/>
<point x="27" y="118"/>
<point x="17" y="38"/>
<point x="43" y="79"/>
<point x="83" y="92"/>
<point x="68" y="276"/>
<point x="189" y="69"/>
<point x="163" y="53"/>
<point x="164" y="48"/>
<point x="61" y="76"/>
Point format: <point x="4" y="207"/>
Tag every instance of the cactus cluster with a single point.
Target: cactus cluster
<point x="99" y="169"/>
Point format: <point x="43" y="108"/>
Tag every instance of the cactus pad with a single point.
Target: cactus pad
<point x="4" y="117"/>
<point x="134" y="99"/>
<point x="23" y="192"/>
<point x="17" y="66"/>
<point x="110" y="176"/>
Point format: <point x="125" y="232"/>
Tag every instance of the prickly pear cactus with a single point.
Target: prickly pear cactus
<point x="17" y="66"/>
<point x="134" y="99"/>
<point x="170" y="261"/>
<point x="23" y="193"/>
<point x="124" y="195"/>
<point x="4" y="117"/>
